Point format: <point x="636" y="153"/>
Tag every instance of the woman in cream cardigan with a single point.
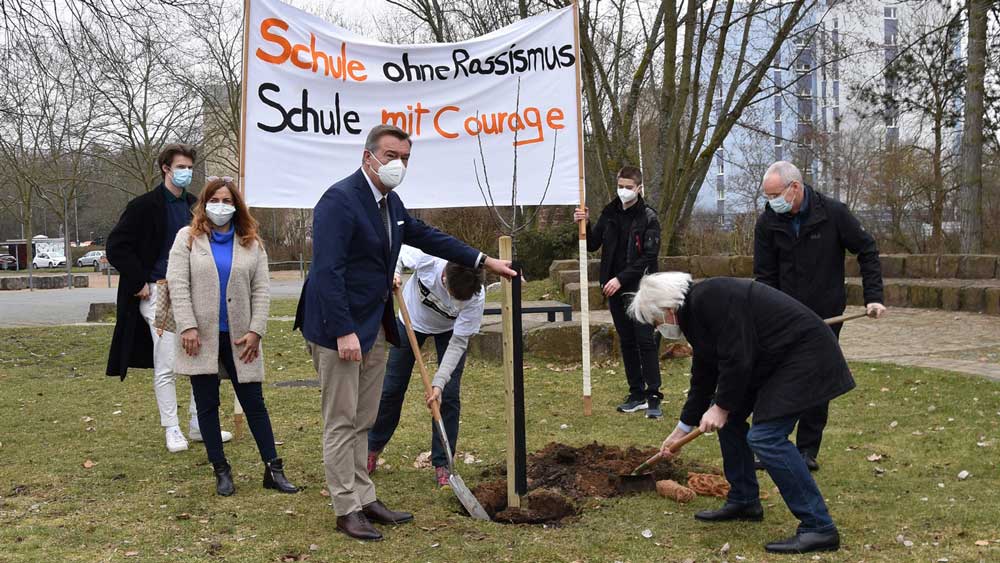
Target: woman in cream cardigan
<point x="219" y="289"/>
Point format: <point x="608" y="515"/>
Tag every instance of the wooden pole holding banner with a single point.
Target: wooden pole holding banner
<point x="239" y="420"/>
<point x="584" y="277"/>
<point x="507" y="312"/>
<point x="243" y="95"/>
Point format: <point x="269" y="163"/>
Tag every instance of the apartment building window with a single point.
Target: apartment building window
<point x="890" y="13"/>
<point x="890" y="39"/>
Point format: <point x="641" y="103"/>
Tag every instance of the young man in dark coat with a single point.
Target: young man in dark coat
<point x="756" y="350"/>
<point x="138" y="248"/>
<point x="799" y="245"/>
<point x="629" y="233"/>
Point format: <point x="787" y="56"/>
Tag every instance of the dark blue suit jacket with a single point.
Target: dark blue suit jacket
<point x="349" y="287"/>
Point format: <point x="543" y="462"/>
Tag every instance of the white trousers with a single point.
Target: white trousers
<point x="164" y="379"/>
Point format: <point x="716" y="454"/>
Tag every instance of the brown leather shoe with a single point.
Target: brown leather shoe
<point x="378" y="513"/>
<point x="358" y="527"/>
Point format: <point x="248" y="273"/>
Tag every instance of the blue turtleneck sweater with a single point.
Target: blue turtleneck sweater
<point x="222" y="251"/>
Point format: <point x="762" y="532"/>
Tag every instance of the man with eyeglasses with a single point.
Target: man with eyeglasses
<point x="799" y="245"/>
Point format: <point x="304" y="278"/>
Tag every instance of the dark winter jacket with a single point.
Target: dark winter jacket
<point x="643" y="242"/>
<point x="757" y="349"/>
<point x="133" y="247"/>
<point x="810" y="266"/>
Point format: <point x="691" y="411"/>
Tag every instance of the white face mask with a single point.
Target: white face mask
<point x="220" y="213"/>
<point x="669" y="331"/>
<point x="391" y="173"/>
<point x="627" y="196"/>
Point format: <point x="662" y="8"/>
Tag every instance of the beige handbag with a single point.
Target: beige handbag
<point x="164" y="318"/>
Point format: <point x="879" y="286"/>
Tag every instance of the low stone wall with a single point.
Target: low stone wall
<point x="14" y="283"/>
<point x="954" y="282"/>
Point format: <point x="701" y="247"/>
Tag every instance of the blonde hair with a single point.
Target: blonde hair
<point x="657" y="292"/>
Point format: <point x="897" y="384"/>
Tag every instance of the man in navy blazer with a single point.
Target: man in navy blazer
<point x="346" y="314"/>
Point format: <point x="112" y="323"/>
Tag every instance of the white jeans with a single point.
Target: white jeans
<point x="164" y="385"/>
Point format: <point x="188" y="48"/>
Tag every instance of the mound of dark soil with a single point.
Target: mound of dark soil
<point x="560" y="476"/>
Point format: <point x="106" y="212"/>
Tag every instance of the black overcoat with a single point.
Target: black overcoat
<point x="133" y="247"/>
<point x="757" y="349"/>
<point x="810" y="266"/>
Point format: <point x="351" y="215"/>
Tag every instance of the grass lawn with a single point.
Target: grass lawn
<point x="137" y="502"/>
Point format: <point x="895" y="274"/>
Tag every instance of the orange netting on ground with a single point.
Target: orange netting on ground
<point x="708" y="485"/>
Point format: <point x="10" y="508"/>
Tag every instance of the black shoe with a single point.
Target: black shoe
<point x="274" y="477"/>
<point x="653" y="408"/>
<point x="806" y="543"/>
<point x="729" y="511"/>
<point x="811" y="462"/>
<point x="378" y="513"/>
<point x="223" y="478"/>
<point x="632" y="405"/>
<point x="358" y="527"/>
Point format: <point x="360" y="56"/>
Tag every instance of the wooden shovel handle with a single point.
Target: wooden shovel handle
<point x="844" y="318"/>
<point x="673" y="448"/>
<point x="415" y="347"/>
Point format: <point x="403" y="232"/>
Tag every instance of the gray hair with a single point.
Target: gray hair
<point x="379" y="131"/>
<point x="785" y="170"/>
<point x="657" y="292"/>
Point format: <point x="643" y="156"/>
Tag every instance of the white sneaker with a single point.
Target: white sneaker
<point x="175" y="440"/>
<point x="195" y="434"/>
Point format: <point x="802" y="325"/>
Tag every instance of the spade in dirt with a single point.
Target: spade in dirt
<point x="463" y="493"/>
<point x="637" y="481"/>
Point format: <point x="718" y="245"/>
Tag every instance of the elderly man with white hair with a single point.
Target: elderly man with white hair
<point x="759" y="351"/>
<point x="799" y="244"/>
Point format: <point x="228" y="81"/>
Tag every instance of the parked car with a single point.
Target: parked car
<point x="46" y="260"/>
<point x="91" y="258"/>
<point x="8" y="262"/>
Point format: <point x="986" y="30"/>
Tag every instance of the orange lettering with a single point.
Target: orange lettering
<point x="532" y="118"/>
<point x="265" y="33"/>
<point x="356" y="69"/>
<point x="468" y="129"/>
<point x="295" y="57"/>
<point x="437" y="122"/>
<point x="554" y="118"/>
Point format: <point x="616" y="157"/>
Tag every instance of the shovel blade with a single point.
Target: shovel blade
<point x="467" y="499"/>
<point x="636" y="483"/>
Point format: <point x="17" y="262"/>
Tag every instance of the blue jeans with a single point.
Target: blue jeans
<point x="397" y="379"/>
<point x="783" y="462"/>
<point x="251" y="396"/>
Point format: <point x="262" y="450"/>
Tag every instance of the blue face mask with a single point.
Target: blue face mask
<point x="779" y="204"/>
<point x="182" y="177"/>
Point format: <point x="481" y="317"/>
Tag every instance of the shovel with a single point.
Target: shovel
<point x="462" y="491"/>
<point x="844" y="318"/>
<point x="638" y="481"/>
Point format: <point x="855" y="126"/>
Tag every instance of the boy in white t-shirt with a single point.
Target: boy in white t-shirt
<point x="446" y="302"/>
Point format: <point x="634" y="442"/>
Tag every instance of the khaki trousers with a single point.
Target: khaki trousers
<point x="350" y="394"/>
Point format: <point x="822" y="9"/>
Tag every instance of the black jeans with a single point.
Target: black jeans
<point x="640" y="350"/>
<point x="251" y="396"/>
<point x="809" y="436"/>
<point x="397" y="379"/>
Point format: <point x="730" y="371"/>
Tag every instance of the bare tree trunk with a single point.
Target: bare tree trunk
<point x="971" y="195"/>
<point x="66" y="248"/>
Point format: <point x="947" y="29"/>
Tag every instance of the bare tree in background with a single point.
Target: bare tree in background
<point x="972" y="138"/>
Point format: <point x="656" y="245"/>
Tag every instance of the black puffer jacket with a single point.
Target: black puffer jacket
<point x="643" y="242"/>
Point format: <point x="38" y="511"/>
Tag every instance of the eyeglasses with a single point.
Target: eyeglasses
<point x="226" y="179"/>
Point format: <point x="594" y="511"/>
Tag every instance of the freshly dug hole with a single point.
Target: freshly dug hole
<point x="560" y="475"/>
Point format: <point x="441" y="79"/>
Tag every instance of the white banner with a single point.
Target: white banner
<point x="314" y="90"/>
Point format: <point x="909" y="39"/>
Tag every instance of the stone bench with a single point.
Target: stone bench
<point x="973" y="295"/>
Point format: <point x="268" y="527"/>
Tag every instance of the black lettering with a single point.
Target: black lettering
<point x="441" y="71"/>
<point x="460" y="63"/>
<point x="567" y="55"/>
<point x="537" y="58"/>
<point x="476" y="66"/>
<point x="502" y="65"/>
<point x="352" y="118"/>
<point x="518" y="56"/>
<point x="268" y="87"/>
<point x="490" y="65"/>
<point x="392" y="71"/>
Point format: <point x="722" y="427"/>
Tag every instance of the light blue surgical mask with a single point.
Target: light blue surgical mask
<point x="778" y="203"/>
<point x="182" y="177"/>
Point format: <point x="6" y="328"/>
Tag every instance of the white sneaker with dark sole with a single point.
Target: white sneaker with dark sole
<point x="175" y="440"/>
<point x="195" y="434"/>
